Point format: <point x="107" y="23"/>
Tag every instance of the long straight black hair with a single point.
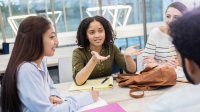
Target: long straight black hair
<point x="28" y="46"/>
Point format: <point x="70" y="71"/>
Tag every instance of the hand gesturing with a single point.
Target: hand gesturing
<point x="98" y="58"/>
<point x="133" y="51"/>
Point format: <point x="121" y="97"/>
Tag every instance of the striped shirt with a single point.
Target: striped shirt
<point x="159" y="46"/>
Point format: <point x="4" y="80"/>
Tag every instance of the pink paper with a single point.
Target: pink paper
<point x="113" y="107"/>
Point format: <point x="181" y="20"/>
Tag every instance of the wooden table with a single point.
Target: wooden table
<point x="121" y="96"/>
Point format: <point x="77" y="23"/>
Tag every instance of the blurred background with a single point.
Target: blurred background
<point x="131" y="19"/>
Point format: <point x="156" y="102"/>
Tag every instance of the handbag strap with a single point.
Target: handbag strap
<point x="135" y="89"/>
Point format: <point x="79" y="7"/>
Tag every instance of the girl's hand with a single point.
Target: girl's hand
<point x="55" y="100"/>
<point x="133" y="51"/>
<point x="95" y="95"/>
<point x="98" y="58"/>
<point x="150" y="61"/>
<point x="172" y="63"/>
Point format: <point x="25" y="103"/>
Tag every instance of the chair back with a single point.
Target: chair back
<point x="65" y="69"/>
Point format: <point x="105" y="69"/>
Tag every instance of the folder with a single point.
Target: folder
<point x="95" y="83"/>
<point x="114" y="107"/>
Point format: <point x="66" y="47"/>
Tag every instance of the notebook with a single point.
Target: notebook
<point x="95" y="83"/>
<point x="113" y="107"/>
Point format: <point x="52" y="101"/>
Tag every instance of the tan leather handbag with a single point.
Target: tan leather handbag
<point x="148" y="79"/>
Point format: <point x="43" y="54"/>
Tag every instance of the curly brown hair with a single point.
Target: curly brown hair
<point x="81" y="37"/>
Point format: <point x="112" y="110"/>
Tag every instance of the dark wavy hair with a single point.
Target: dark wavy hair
<point x="81" y="37"/>
<point x="28" y="47"/>
<point x="185" y="33"/>
<point x="179" y="6"/>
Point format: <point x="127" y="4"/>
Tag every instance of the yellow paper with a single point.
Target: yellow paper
<point x="95" y="83"/>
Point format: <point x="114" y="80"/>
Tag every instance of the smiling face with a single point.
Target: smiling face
<point x="50" y="41"/>
<point x="171" y="15"/>
<point x="95" y="34"/>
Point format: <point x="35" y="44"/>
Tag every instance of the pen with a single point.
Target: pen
<point x="104" y="80"/>
<point x="92" y="88"/>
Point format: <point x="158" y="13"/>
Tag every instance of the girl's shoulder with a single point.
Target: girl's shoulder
<point x="25" y="65"/>
<point x="156" y="34"/>
<point x="112" y="47"/>
<point x="155" y="31"/>
<point x="79" y="49"/>
<point x="26" y="68"/>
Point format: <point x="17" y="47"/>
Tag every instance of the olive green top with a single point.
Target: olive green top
<point x="81" y="57"/>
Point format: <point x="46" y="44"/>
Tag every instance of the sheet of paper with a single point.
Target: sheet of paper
<point x="179" y="72"/>
<point x="99" y="103"/>
<point x="95" y="83"/>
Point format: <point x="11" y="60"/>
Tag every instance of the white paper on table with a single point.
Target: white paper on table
<point x="100" y="102"/>
<point x="179" y="72"/>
